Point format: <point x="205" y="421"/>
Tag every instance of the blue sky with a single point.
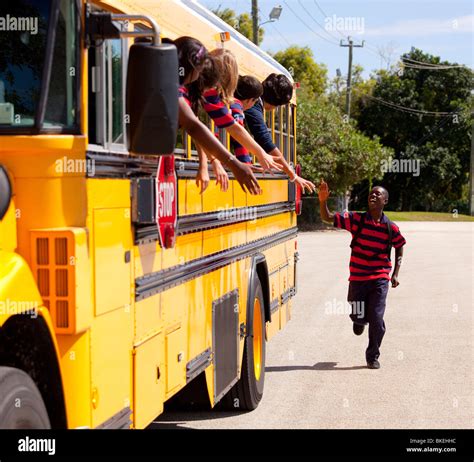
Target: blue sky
<point x="443" y="28"/>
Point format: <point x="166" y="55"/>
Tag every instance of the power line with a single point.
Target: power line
<point x="326" y="16"/>
<point x="429" y="65"/>
<point x="281" y="35"/>
<point x="314" y="19"/>
<point x="308" y="27"/>
<point x="408" y="109"/>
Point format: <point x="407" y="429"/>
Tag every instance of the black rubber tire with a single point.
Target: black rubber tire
<point x="21" y="404"/>
<point x="247" y="393"/>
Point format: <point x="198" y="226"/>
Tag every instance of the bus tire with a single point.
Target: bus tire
<point x="21" y="404"/>
<point x="246" y="394"/>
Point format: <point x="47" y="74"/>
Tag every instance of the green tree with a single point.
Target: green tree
<point x="441" y="144"/>
<point x="301" y="64"/>
<point x="241" y="23"/>
<point x="329" y="147"/>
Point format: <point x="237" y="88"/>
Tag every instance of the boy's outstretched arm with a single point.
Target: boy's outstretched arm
<point x="398" y="263"/>
<point x="323" y="194"/>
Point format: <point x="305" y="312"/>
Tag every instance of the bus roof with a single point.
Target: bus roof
<point x="188" y="17"/>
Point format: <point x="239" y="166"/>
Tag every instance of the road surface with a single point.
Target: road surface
<point x="316" y="376"/>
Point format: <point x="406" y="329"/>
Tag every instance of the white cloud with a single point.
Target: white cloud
<point x="423" y="27"/>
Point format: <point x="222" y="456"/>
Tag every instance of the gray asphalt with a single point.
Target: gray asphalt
<point x="316" y="375"/>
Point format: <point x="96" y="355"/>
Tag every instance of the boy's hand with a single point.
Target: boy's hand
<point x="395" y="282"/>
<point x="323" y="191"/>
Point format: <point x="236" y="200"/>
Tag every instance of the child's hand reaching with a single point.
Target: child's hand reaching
<point x="323" y="191"/>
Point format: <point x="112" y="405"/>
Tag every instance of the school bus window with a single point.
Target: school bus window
<point x="292" y="133"/>
<point x="277" y="122"/>
<point x="107" y="94"/>
<point x="61" y="104"/>
<point x="115" y="94"/>
<point x="269" y="119"/>
<point x="285" y="127"/>
<point x="23" y="63"/>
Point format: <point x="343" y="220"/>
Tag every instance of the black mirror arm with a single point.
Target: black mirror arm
<point x="100" y="26"/>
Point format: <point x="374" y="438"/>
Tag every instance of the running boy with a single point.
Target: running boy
<point x="373" y="236"/>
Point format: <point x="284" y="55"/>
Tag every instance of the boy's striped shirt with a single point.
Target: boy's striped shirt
<point x="240" y="151"/>
<point x="183" y="93"/>
<point x="216" y="109"/>
<point x="369" y="259"/>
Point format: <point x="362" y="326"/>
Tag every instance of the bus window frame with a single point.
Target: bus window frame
<point x="104" y="101"/>
<point x="37" y="128"/>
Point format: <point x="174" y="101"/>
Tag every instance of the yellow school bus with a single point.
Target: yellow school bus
<point x="103" y="318"/>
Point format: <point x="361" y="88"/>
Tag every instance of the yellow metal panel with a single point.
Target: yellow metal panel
<point x="223" y="238"/>
<point x="8" y="229"/>
<point x="272" y="191"/>
<point x="149" y="381"/>
<point x="216" y="200"/>
<point x="181" y="197"/>
<point x="176" y="359"/>
<point x="240" y="196"/>
<point x="147" y="258"/>
<point x="193" y="197"/>
<point x="147" y="318"/>
<point x="74" y="354"/>
<point x="199" y="337"/>
<point x="284" y="286"/>
<point x="108" y="194"/>
<point x="17" y="286"/>
<point x="112" y="238"/>
<point x="188" y="247"/>
<point x="268" y="225"/>
<point x="111" y="363"/>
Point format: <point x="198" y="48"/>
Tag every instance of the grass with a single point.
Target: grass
<point x="427" y="216"/>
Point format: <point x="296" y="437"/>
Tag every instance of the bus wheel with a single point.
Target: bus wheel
<point x="248" y="391"/>
<point x="21" y="404"/>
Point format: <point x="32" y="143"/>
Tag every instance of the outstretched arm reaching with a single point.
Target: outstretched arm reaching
<point x="200" y="133"/>
<point x="323" y="194"/>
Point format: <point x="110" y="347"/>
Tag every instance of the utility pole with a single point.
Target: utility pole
<point x="349" y="45"/>
<point x="255" y="21"/>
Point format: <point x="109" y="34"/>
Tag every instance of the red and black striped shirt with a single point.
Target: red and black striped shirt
<point x="240" y="151"/>
<point x="216" y="109"/>
<point x="369" y="259"/>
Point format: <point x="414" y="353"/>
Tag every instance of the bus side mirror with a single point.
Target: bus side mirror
<point x="5" y="192"/>
<point x="152" y="99"/>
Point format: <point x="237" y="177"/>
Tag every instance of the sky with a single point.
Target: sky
<point x="442" y="28"/>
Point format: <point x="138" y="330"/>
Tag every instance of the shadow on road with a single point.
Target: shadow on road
<point x="325" y="366"/>
<point x="177" y="419"/>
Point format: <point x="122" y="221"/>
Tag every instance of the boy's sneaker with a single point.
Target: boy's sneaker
<point x="358" y="328"/>
<point x="373" y="364"/>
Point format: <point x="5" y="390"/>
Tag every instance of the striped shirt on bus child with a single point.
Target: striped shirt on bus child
<point x="369" y="259"/>
<point x="240" y="151"/>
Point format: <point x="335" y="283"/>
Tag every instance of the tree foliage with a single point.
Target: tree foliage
<point x="241" y="23"/>
<point x="301" y="64"/>
<point x="441" y="144"/>
<point x="332" y="148"/>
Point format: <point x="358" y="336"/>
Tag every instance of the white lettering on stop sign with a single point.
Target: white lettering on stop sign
<point x="166" y="199"/>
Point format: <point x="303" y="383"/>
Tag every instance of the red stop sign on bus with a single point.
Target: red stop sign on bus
<point x="166" y="201"/>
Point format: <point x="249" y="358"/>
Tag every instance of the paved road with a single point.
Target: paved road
<point x="316" y="375"/>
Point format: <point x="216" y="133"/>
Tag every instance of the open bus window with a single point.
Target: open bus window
<point x="107" y="94"/>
